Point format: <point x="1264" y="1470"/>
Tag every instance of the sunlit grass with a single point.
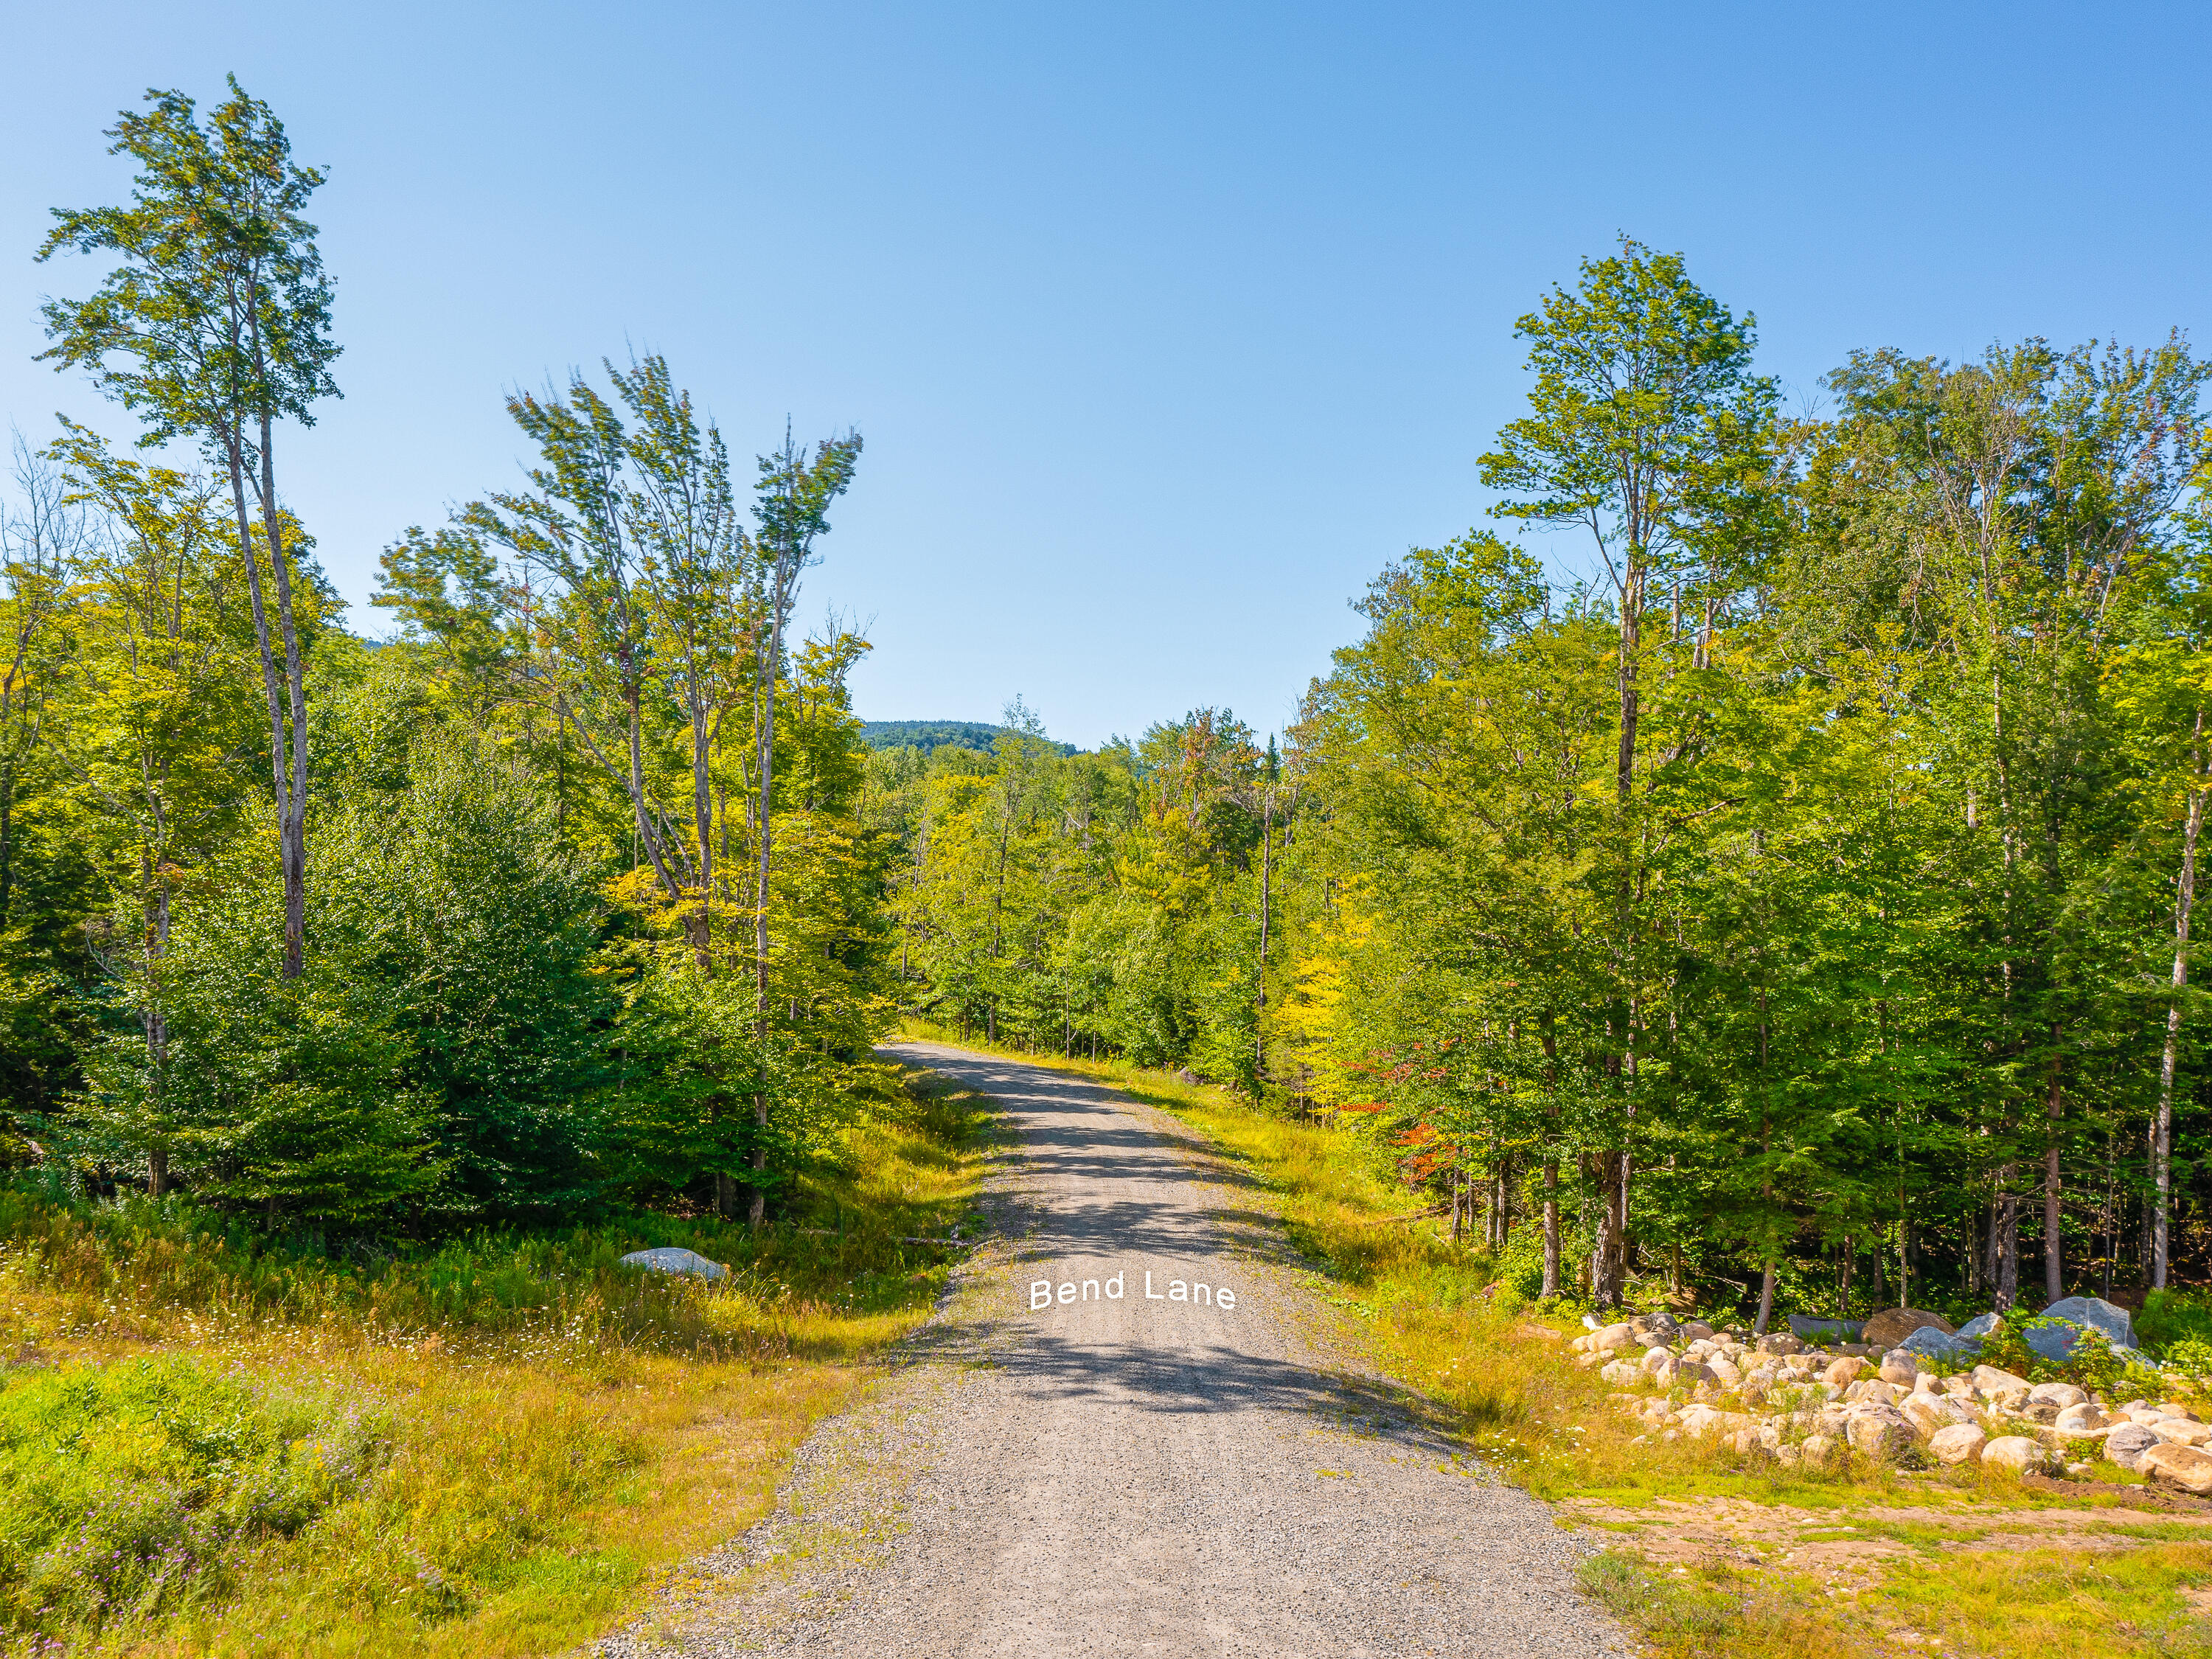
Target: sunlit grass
<point x="491" y="1448"/>
<point x="2093" y="1603"/>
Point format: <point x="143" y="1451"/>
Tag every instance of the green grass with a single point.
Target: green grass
<point x="496" y="1445"/>
<point x="135" y="1491"/>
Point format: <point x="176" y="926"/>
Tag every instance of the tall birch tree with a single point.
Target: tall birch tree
<point x="213" y="326"/>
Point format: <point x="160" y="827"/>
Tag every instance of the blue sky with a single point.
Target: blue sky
<point x="1165" y="325"/>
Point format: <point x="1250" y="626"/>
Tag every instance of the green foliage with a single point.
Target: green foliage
<point x="2191" y="1356"/>
<point x="136" y="1489"/>
<point x="900" y="1165"/>
<point x="460" y="901"/>
<point x="216" y="310"/>
<point x="484" y="1444"/>
<point x="516" y="972"/>
<point x="2006" y="1346"/>
<point x="2170" y="1317"/>
<point x="1681" y="1615"/>
<point x="1696" y="899"/>
<point x="2092" y="1364"/>
<point x="1775" y="907"/>
<point x="291" y="1095"/>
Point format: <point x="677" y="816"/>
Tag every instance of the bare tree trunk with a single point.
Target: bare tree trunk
<point x="1549" y="1044"/>
<point x="1610" y="1269"/>
<point x="155" y="1022"/>
<point x="2007" y="1242"/>
<point x="2162" y="1130"/>
<point x="702" y="815"/>
<point x="1613" y="1235"/>
<point x="1766" y="1301"/>
<point x="1551" y="1226"/>
<point x="293" y="802"/>
<point x="7" y="838"/>
<point x="1993" y="1249"/>
<point x="273" y="692"/>
<point x="2054" y="1271"/>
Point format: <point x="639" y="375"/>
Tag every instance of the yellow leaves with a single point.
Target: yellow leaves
<point x="1313" y="1018"/>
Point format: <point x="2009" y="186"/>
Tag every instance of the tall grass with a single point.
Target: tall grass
<point x="214" y="1443"/>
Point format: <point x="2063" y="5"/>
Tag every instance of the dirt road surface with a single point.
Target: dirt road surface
<point x="1145" y="1473"/>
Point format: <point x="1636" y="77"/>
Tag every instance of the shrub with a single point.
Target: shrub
<point x="2191" y="1356"/>
<point x="2171" y="1316"/>
<point x="2094" y="1363"/>
<point x="2005" y="1345"/>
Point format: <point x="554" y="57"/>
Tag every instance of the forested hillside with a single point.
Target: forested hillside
<point x="1803" y="901"/>
<point x="927" y="735"/>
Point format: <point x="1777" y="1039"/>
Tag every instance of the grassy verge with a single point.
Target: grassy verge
<point x="1714" y="1555"/>
<point x="212" y="1446"/>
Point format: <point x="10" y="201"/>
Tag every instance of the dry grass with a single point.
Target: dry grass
<point x="493" y="1448"/>
<point x="1713" y="1548"/>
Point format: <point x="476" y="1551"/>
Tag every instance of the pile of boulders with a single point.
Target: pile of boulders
<point x="1809" y="1401"/>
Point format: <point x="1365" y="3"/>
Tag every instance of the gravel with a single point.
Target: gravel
<point x="1136" y="1476"/>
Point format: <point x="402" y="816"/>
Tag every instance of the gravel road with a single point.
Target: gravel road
<point x="1145" y="1473"/>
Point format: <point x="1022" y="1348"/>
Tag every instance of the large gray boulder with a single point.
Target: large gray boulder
<point x="674" y="1259"/>
<point x="2054" y="1343"/>
<point x="2079" y="1311"/>
<point x="2126" y="1444"/>
<point x="2116" y="1323"/>
<point x="1932" y="1342"/>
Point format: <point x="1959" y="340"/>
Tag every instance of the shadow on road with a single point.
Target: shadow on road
<point x="1124" y="1193"/>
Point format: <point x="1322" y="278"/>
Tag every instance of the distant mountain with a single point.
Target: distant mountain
<point x="927" y="735"/>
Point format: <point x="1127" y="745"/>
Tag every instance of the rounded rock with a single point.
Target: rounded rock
<point x="2180" y="1432"/>
<point x="1900" y="1368"/>
<point x="1962" y="1443"/>
<point x="2015" y="1451"/>
<point x="1879" y="1434"/>
<point x="2126" y="1444"/>
<point x="1893" y="1324"/>
<point x="2180" y="1465"/>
